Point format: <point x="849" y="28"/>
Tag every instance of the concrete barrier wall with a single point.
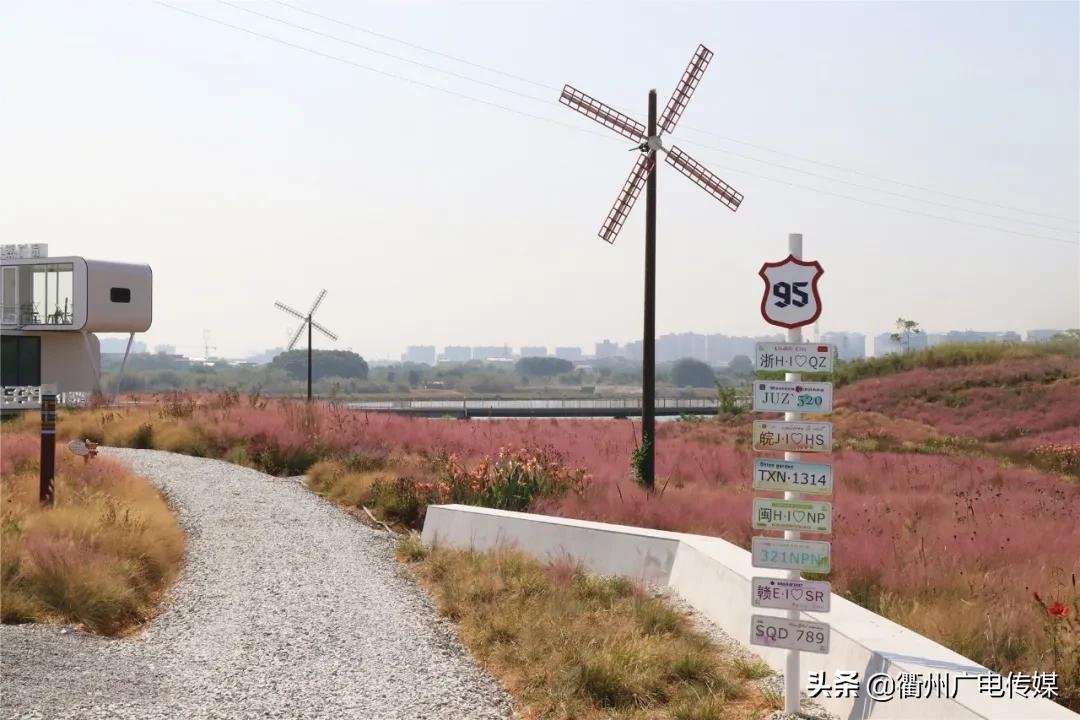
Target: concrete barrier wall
<point x="714" y="576"/>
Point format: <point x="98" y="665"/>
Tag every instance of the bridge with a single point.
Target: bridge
<point x="538" y="408"/>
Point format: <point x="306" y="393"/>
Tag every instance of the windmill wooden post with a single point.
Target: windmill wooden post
<point x="642" y="174"/>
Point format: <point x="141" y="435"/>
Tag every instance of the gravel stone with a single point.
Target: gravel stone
<point x="286" y="608"/>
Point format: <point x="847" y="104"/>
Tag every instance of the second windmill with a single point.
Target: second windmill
<point x="308" y="323"/>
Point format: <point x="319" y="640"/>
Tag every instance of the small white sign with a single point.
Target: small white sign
<point x="808" y="555"/>
<point x="797" y="515"/>
<point x="792" y="396"/>
<point x="794" y="476"/>
<point x="795" y="357"/>
<point x="24" y="251"/>
<point x="778" y="632"/>
<point x="787" y="594"/>
<point x="793" y="436"/>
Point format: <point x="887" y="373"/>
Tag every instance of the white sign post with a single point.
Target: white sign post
<point x="791" y="300"/>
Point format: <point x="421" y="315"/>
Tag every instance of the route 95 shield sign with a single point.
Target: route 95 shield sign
<point x="791" y="297"/>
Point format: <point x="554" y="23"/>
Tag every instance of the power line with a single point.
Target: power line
<point x="880" y="190"/>
<point x="726" y="138"/>
<point x="410" y="61"/>
<point x="880" y="178"/>
<point x="898" y="208"/>
<point x="377" y="71"/>
<point x="575" y="128"/>
<point x="418" y="47"/>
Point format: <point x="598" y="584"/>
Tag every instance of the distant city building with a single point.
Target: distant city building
<point x="570" y="353"/>
<point x="456" y="353"/>
<point x="849" y="345"/>
<point x="533" y="351"/>
<point x="721" y="349"/>
<point x="165" y="349"/>
<point x="632" y="351"/>
<point x="419" y="354"/>
<point x="675" y="346"/>
<point x="266" y="356"/>
<point x="491" y="352"/>
<point x="119" y="345"/>
<point x="885" y="345"/>
<point x="1038" y="335"/>
<point x="606" y="349"/>
<point x="971" y="336"/>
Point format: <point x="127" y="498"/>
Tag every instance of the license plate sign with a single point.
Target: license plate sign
<point x="793" y="396"/>
<point x="808" y="555"/>
<point x="787" y="594"/>
<point x="792" y="436"/>
<point x="795" y="357"/>
<point x="778" y="632"/>
<point x="798" y="515"/>
<point x="794" y="476"/>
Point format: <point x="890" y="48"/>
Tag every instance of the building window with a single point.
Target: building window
<point x="120" y="295"/>
<point x="20" y="360"/>
<point x="39" y="294"/>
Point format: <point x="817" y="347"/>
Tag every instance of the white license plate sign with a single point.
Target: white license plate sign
<point x="785" y="594"/>
<point x="793" y="436"/>
<point x="798" y="515"/>
<point x="778" y="632"/>
<point x="808" y="555"/>
<point x="792" y="396"/>
<point x="795" y="357"/>
<point x="791" y="475"/>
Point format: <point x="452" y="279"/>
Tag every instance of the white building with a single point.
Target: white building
<point x="51" y="306"/>
<point x="606" y="349"/>
<point x="419" y="354"/>
<point x="573" y="354"/>
<point x="849" y="345"/>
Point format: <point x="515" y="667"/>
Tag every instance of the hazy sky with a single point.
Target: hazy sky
<point x="245" y="171"/>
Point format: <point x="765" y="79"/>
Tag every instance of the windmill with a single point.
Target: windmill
<point x="644" y="172"/>
<point x="309" y="323"/>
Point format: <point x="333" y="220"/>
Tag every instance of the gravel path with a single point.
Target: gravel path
<point x="287" y="608"/>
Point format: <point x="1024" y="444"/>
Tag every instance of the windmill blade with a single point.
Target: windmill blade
<point x="296" y="336"/>
<point x="686" y="87"/>
<point x="318" y="301"/>
<point x="323" y="330"/>
<point x="701" y="175"/>
<point x="286" y="308"/>
<point x="606" y="115"/>
<point x="625" y="201"/>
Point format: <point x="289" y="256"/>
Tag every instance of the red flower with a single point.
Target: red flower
<point x="1058" y="610"/>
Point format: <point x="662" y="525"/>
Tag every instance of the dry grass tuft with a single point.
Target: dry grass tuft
<point x="570" y="645"/>
<point x="101" y="557"/>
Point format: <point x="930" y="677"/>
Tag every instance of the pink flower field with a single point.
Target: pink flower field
<point x="952" y="545"/>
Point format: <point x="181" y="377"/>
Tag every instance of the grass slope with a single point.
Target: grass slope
<point x="102" y="557"/>
<point x="568" y="645"/>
